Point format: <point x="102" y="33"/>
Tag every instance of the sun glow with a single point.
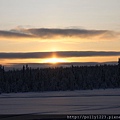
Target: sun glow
<point x="54" y="60"/>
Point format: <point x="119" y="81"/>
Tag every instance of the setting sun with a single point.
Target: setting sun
<point x="54" y="60"/>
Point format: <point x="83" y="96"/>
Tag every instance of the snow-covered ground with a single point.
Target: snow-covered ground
<point x="62" y="102"/>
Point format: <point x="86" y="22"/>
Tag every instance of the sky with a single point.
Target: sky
<point x="59" y="31"/>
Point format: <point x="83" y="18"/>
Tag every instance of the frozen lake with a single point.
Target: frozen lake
<point x="63" y="102"/>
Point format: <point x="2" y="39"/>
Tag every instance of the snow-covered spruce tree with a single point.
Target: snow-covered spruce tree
<point x="119" y="72"/>
<point x="119" y="65"/>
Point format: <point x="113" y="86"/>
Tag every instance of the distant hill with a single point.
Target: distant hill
<point x="45" y="65"/>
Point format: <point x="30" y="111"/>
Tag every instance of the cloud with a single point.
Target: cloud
<point x="51" y="33"/>
<point x="62" y="54"/>
<point x="13" y="34"/>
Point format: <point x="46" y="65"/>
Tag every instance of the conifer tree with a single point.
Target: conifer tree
<point x="119" y="66"/>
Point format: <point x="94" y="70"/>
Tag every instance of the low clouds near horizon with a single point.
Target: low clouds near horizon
<point x="52" y="33"/>
<point x="63" y="54"/>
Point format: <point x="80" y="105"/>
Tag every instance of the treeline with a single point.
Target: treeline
<point x="54" y="79"/>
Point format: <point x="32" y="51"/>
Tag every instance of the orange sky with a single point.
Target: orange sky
<point x="66" y="25"/>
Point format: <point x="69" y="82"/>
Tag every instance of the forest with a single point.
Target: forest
<point x="29" y="79"/>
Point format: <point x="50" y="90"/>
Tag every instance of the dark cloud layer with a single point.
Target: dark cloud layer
<point x="31" y="55"/>
<point x="13" y="34"/>
<point x="49" y="33"/>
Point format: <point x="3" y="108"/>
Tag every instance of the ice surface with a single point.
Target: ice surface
<point x="62" y="102"/>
